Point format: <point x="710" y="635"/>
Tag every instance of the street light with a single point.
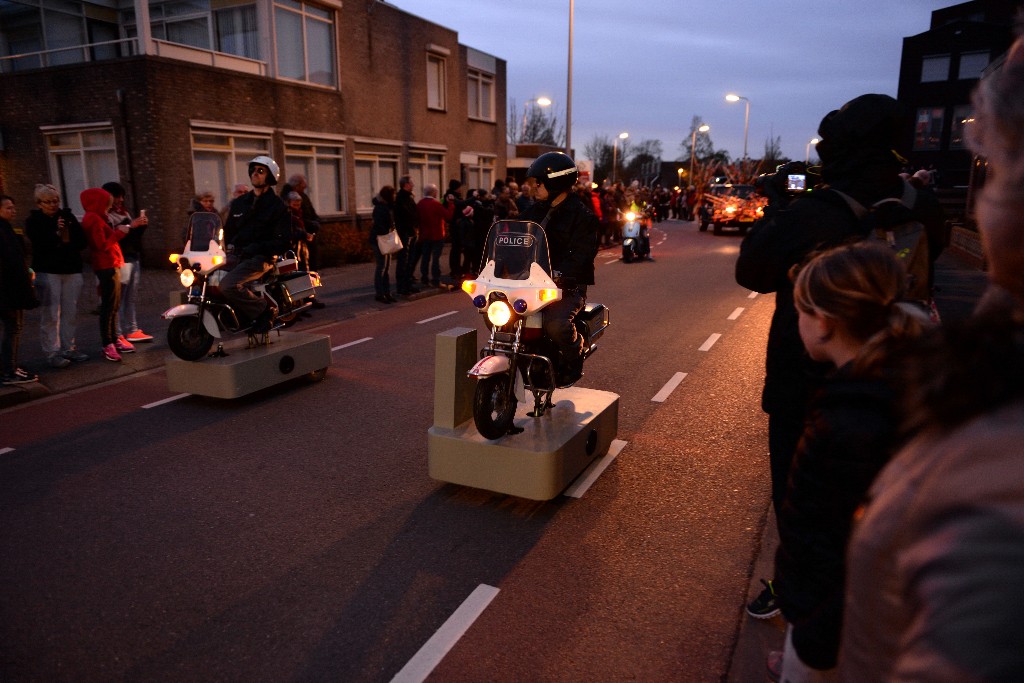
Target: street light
<point x="704" y="128"/>
<point x="568" y="85"/>
<point x="679" y="174"/>
<point x="540" y="102"/>
<point x="746" y="119"/>
<point x="615" y="149"/>
<point x="807" y="152"/>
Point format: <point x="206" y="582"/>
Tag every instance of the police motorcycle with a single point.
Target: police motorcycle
<point x="207" y="315"/>
<point x="636" y="236"/>
<point x="511" y="291"/>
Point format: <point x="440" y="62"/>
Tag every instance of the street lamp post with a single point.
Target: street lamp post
<point x="704" y="128"/>
<point x="540" y="102"/>
<point x="679" y="176"/>
<point x="746" y="119"/>
<point x="615" y="149"/>
<point x="807" y="152"/>
<point x="568" y="85"/>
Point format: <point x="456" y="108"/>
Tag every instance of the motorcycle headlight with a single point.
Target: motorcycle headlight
<point x="499" y="313"/>
<point x="630" y="216"/>
<point x="187" y="277"/>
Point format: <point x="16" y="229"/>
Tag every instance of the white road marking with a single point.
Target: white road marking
<point x="436" y="317"/>
<point x="752" y="295"/>
<point x="706" y="346"/>
<point x="166" y="400"/>
<point x="669" y="387"/>
<point x="735" y="314"/>
<point x="352" y="343"/>
<point x="590" y="475"/>
<point x="433" y="651"/>
<point x="6" y="450"/>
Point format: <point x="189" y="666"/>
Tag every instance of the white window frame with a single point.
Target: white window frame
<point x="306" y="16"/>
<point x="382" y="168"/>
<point x="308" y="155"/>
<point x="437" y="82"/>
<point x="235" y="146"/>
<point x="480" y="87"/>
<point x="935" y="68"/>
<point x="65" y="142"/>
<point x="427" y="166"/>
<point x="478" y="170"/>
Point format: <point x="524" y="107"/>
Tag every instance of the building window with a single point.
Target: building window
<point x="437" y="97"/>
<point x="304" y="42"/>
<point x="236" y="30"/>
<point x="479" y="173"/>
<point x="220" y="160"/>
<point x="62" y="31"/>
<point x="79" y="159"/>
<point x="374" y="170"/>
<point x="972" y="64"/>
<point x="186" y="22"/>
<point x="480" y="89"/>
<point x="426" y="168"/>
<point x="322" y="164"/>
<point x="935" y="68"/>
<point x="963" y="116"/>
<point x="928" y="129"/>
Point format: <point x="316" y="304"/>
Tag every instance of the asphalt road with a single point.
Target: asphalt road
<point x="294" y="534"/>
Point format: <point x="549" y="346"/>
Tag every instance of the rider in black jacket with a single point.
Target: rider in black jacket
<point x="572" y="234"/>
<point x="258" y="229"/>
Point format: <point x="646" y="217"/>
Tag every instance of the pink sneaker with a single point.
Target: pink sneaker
<point x="110" y="353"/>
<point x="123" y="345"/>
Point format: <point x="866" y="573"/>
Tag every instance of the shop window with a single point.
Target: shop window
<point x="928" y="128"/>
<point x="963" y="116"/>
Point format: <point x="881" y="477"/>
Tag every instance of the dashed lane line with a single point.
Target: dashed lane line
<point x="351" y="343"/>
<point x="590" y="475"/>
<point x="433" y="651"/>
<point x="436" y="317"/>
<point x="706" y="346"/>
<point x="669" y="387"/>
<point x="736" y="314"/>
<point x="752" y="295"/>
<point x="6" y="450"/>
<point x="154" y="404"/>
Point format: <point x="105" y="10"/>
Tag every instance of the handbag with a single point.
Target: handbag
<point x="389" y="243"/>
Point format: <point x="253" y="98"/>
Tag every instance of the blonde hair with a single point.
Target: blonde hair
<point x="45" y="190"/>
<point x="859" y="286"/>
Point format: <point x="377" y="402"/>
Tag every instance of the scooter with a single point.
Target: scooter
<point x="636" y="237"/>
<point x="207" y="315"/>
<point x="511" y="291"/>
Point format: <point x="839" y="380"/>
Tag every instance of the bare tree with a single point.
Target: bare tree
<point x="534" y="125"/>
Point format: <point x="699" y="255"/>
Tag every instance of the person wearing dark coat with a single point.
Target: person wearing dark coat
<point x="383" y="223"/>
<point x="407" y="221"/>
<point x="15" y="295"/>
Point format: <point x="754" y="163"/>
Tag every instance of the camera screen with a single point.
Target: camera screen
<point x="796" y="182"/>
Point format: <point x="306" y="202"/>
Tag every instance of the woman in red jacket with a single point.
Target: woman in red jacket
<point x="106" y="264"/>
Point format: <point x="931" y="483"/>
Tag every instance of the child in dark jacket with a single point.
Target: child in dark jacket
<point x="847" y="300"/>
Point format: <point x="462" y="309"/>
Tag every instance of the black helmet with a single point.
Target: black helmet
<point x="555" y="170"/>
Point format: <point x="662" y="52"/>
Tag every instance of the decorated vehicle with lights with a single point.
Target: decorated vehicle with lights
<point x="728" y="204"/>
<point x="511" y="291"/>
<point x="206" y="315"/>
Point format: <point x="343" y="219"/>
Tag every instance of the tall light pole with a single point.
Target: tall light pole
<point x="704" y="128"/>
<point x="679" y="176"/>
<point x="746" y="119"/>
<point x="540" y="102"/>
<point x="807" y="152"/>
<point x="615" y="149"/>
<point x="568" y="94"/>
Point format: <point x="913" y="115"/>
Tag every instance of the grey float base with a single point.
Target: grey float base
<point x="538" y="463"/>
<point x="243" y="371"/>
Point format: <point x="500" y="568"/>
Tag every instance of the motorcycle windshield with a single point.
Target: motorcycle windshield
<point x="515" y="246"/>
<point x="204" y="229"/>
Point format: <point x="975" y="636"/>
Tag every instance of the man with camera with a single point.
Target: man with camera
<point x="857" y="151"/>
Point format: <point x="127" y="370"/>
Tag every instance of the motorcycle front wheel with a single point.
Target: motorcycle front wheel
<point x="494" y="405"/>
<point x="188" y="339"/>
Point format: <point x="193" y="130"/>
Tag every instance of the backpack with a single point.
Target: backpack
<point x="892" y="221"/>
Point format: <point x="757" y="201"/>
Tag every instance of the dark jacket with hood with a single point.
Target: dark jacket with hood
<point x="50" y="254"/>
<point x="15" y="279"/>
<point x="103" y="238"/>
<point x="407" y="219"/>
<point x="259" y="225"/>
<point x="572" y="232"/>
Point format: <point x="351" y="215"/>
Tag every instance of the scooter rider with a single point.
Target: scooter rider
<point x="258" y="229"/>
<point x="572" y="234"/>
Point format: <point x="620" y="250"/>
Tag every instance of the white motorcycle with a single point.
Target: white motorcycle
<point x="511" y="291"/>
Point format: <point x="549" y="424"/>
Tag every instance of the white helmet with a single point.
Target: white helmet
<point x="270" y="164"/>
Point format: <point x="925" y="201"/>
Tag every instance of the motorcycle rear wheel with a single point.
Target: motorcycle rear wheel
<point x="494" y="405"/>
<point x="188" y="339"/>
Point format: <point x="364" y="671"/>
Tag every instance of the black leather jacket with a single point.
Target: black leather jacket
<point x="572" y="232"/>
<point x="259" y="225"/>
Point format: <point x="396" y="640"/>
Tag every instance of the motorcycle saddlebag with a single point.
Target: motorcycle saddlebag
<point x="297" y="286"/>
<point x="595" y="317"/>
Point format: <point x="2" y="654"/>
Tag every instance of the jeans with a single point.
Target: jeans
<point x="110" y="301"/>
<point x="126" y="321"/>
<point x="58" y="313"/>
<point x="405" y="263"/>
<point x="11" y="321"/>
<point x="381" y="279"/>
<point x="242" y="299"/>
<point x="431" y="256"/>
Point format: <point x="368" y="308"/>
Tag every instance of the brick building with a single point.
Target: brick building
<point x="174" y="98"/>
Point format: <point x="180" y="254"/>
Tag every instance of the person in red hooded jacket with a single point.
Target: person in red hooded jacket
<point x="106" y="264"/>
